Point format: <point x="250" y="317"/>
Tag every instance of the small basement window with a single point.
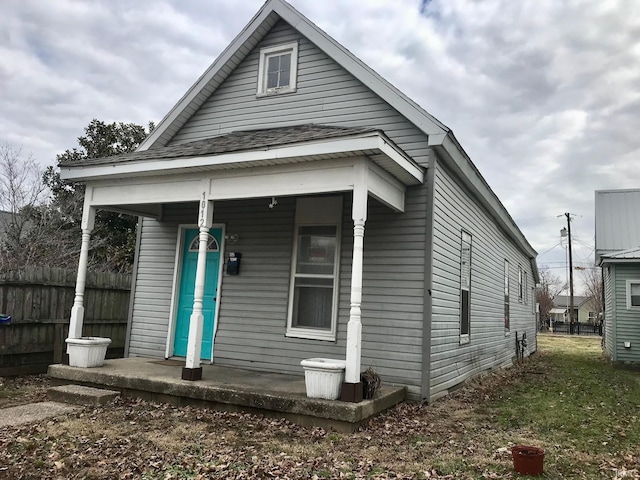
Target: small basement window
<point x="278" y="69"/>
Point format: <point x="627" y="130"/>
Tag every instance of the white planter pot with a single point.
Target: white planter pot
<point x="323" y="377"/>
<point x="87" y="352"/>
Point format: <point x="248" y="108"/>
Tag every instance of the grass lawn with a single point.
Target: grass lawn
<point x="565" y="399"/>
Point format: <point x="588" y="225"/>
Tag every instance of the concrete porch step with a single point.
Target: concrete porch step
<point x="229" y="389"/>
<point x="81" y="395"/>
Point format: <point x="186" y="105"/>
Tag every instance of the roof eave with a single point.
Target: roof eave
<point x="462" y="165"/>
<point x="404" y="169"/>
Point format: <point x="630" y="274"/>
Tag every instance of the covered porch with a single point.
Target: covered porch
<point x="229" y="389"/>
<point x="308" y="161"/>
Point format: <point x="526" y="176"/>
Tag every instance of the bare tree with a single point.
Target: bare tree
<point x="550" y="286"/>
<point x="593" y="289"/>
<point x="21" y="191"/>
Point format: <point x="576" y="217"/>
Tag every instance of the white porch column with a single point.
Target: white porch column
<point x="192" y="369"/>
<point x="77" y="311"/>
<point x="354" y="327"/>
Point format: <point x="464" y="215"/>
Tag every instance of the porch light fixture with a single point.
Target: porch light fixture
<point x="232" y="238"/>
<point x="273" y="203"/>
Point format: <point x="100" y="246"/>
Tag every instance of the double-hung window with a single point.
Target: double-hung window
<point x="633" y="294"/>
<point x="520" y="285"/>
<point x="313" y="293"/>
<point x="506" y="296"/>
<point x="465" y="287"/>
<point x="278" y="69"/>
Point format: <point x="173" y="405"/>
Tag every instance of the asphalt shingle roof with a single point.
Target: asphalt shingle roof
<point x="231" y="142"/>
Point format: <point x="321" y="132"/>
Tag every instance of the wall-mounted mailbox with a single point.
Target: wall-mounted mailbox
<point x="233" y="263"/>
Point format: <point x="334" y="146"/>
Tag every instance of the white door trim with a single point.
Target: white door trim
<point x="177" y="272"/>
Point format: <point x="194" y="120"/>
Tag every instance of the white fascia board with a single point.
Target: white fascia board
<point x="158" y="167"/>
<point x="407" y="165"/>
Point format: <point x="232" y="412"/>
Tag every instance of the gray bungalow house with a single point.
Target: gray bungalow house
<point x="618" y="253"/>
<point x="294" y="204"/>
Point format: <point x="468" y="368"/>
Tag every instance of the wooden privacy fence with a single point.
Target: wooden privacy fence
<point x="39" y="301"/>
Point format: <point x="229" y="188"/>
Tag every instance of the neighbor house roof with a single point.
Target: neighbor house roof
<point x="629" y="255"/>
<point x="564" y="300"/>
<point x="617" y="222"/>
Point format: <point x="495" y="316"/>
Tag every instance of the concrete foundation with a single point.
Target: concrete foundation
<point x="229" y="389"/>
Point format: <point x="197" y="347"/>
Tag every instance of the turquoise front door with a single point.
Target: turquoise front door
<point x="187" y="287"/>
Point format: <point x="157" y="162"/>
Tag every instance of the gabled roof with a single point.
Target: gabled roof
<point x="249" y="37"/>
<point x="563" y="300"/>
<point x="617" y="221"/>
<point x="440" y="137"/>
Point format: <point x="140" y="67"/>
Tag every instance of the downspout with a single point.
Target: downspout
<point x="428" y="281"/>
<point x="132" y="290"/>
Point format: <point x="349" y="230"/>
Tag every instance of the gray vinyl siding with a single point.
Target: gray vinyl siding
<point x="253" y="305"/>
<point x="627" y="322"/>
<point x="326" y="94"/>
<point x="609" y="313"/>
<point x="452" y="363"/>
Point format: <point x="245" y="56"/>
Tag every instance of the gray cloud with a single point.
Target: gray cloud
<point x="542" y="95"/>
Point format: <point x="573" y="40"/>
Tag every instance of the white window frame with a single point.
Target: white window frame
<point x="465" y="238"/>
<point x="629" y="283"/>
<point x="520" y="284"/>
<point x="307" y="215"/>
<point x="275" y="50"/>
<point x="507" y="299"/>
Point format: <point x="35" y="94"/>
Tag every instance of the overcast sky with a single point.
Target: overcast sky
<point x="543" y="95"/>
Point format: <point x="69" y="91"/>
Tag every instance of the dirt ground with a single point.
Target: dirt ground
<point x="455" y="437"/>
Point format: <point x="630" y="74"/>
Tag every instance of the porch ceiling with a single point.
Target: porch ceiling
<point x="254" y="148"/>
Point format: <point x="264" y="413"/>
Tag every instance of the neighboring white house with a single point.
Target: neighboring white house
<point x="295" y="204"/>
<point x="617" y="251"/>
<point x="583" y="309"/>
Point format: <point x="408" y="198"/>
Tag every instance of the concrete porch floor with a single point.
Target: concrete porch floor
<point x="230" y="389"/>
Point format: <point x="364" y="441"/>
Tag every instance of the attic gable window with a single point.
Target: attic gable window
<point x="278" y="69"/>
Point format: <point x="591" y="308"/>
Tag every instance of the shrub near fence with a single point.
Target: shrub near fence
<point x="39" y="300"/>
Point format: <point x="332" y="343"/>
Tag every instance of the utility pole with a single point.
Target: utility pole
<point x="568" y="232"/>
<point x="568" y="215"/>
